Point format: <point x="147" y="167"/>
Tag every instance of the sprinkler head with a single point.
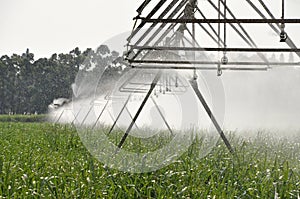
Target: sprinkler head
<point x="176" y="82"/>
<point x="283" y="36"/>
<point x="224" y="60"/>
<point x="219" y="72"/>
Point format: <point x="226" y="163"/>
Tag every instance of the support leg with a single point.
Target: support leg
<point x="119" y="115"/>
<point x="59" y="117"/>
<point x="153" y="84"/>
<point x="210" y="114"/>
<point x="112" y="117"/>
<point x="131" y="117"/>
<point x="100" y="114"/>
<point x="162" y="116"/>
<point x="87" y="115"/>
<point x="76" y="116"/>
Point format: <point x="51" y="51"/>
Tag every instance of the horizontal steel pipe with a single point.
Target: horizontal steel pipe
<point x="267" y="21"/>
<point x="215" y="62"/>
<point x="216" y="49"/>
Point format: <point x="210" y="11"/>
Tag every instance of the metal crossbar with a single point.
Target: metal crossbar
<point x="189" y="62"/>
<point x="216" y="49"/>
<point x="239" y="21"/>
<point x="169" y="67"/>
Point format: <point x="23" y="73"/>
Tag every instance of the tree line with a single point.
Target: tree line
<point x="29" y="86"/>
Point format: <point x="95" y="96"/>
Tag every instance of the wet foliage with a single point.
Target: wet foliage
<point x="41" y="160"/>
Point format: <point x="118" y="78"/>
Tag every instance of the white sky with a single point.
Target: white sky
<point x="54" y="26"/>
<point x="58" y="26"/>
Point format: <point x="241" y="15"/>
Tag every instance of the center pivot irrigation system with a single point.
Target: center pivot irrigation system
<point x="166" y="38"/>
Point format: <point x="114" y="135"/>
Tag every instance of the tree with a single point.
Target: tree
<point x="103" y="50"/>
<point x="28" y="85"/>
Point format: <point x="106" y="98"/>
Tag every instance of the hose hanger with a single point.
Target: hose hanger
<point x="224" y="59"/>
<point x="219" y="70"/>
<point x="283" y="34"/>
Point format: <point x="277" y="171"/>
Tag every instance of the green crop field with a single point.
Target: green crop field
<point x="42" y="160"/>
